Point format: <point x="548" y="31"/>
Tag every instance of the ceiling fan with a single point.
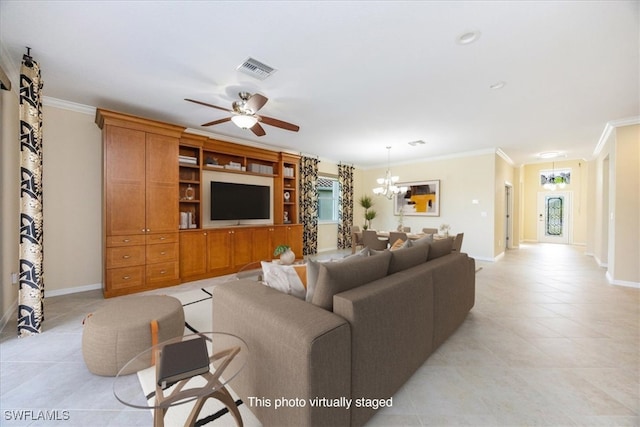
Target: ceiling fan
<point x="244" y="114"/>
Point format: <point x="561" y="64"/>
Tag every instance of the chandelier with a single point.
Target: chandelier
<point x="388" y="188"/>
<point x="554" y="181"/>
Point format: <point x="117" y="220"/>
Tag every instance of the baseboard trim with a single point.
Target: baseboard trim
<point x="74" y="290"/>
<point x="10" y="311"/>
<point x="625" y="283"/>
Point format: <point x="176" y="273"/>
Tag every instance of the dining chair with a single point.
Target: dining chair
<point x="395" y="235"/>
<point x="356" y="238"/>
<point x="430" y="230"/>
<point x="371" y="240"/>
<point x="406" y="229"/>
<point x="457" y="242"/>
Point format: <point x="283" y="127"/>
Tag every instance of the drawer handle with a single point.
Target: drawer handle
<point x="162" y="238"/>
<point x="126" y="240"/>
<point x="163" y="272"/>
<point x="126" y="256"/>
<point x="163" y="253"/>
<point x="126" y="278"/>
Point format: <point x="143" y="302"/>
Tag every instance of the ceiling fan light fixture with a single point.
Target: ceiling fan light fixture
<point x="244" y="121"/>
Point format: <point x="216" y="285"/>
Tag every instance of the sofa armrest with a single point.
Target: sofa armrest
<point x="296" y="351"/>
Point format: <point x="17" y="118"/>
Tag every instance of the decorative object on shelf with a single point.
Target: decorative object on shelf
<point x="421" y="198"/>
<point x="190" y="160"/>
<point x="286" y="217"/>
<point x="210" y="161"/>
<point x="369" y="214"/>
<point x="388" y="183"/>
<point x="444" y="230"/>
<point x="189" y="193"/>
<point x="287" y="196"/>
<point x="287" y="257"/>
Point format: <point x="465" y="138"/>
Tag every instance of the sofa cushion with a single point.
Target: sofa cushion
<point x="336" y="277"/>
<point x="423" y="240"/>
<point x="404" y="258"/>
<point x="440" y="248"/>
<point x="313" y="268"/>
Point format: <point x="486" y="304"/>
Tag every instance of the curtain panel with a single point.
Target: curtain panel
<point x="309" y="203"/>
<point x="345" y="205"/>
<point x="31" y="285"/>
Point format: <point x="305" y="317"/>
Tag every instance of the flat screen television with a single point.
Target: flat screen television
<point x="233" y="201"/>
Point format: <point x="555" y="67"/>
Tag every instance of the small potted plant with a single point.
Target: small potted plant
<point x="367" y="203"/>
<point x="444" y="230"/>
<point x="285" y="253"/>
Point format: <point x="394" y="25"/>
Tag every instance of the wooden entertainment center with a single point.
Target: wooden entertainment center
<point x="153" y="228"/>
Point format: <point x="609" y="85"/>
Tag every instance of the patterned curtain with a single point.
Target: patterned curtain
<point x="345" y="206"/>
<point x="31" y="287"/>
<point x="309" y="203"/>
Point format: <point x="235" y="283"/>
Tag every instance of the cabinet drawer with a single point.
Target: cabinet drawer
<point x="122" y="278"/>
<point x="131" y="240"/>
<point x="162" y="252"/>
<point x="125" y="256"/>
<point x="162" y="272"/>
<point x="162" y="238"/>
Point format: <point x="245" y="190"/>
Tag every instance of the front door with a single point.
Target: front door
<point x="553" y="217"/>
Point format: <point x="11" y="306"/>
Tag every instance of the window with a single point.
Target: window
<point x="328" y="192"/>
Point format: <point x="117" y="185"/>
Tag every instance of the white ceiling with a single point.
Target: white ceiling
<point x="355" y="76"/>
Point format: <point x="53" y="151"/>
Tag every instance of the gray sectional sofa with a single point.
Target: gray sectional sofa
<point x="371" y="323"/>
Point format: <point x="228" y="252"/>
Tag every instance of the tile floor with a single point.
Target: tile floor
<point x="548" y="343"/>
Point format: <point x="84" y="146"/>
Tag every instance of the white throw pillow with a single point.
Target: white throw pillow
<point x="283" y="278"/>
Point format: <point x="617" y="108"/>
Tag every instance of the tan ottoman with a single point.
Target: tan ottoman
<point x="123" y="328"/>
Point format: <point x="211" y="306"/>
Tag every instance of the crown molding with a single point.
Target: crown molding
<point x="505" y="157"/>
<point x="609" y="127"/>
<point x="47" y="101"/>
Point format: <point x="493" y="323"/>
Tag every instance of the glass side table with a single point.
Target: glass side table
<point x="228" y="355"/>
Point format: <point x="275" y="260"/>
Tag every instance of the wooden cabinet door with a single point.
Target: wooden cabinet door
<point x="278" y="237"/>
<point x="161" y="184"/>
<point x="242" y="246"/>
<point x="294" y="239"/>
<point x="193" y="254"/>
<point x="262" y="250"/>
<point x="219" y="251"/>
<point x="124" y="157"/>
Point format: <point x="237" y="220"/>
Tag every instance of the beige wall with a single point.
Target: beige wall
<point x="462" y="180"/>
<point x="504" y="176"/>
<point x="578" y="188"/>
<point x="72" y="193"/>
<point x="615" y="218"/>
<point x="599" y="213"/>
<point x="9" y="207"/>
<point x="624" y="266"/>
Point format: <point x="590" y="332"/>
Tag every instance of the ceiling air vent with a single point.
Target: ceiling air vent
<point x="256" y="69"/>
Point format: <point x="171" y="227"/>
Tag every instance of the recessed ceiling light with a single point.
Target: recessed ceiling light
<point x="468" y="37"/>
<point x="549" y="155"/>
<point x="497" y="85"/>
<point x="418" y="142"/>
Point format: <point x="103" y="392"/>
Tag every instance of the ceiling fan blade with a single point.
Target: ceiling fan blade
<point x="208" y="105"/>
<point x="279" y="123"/>
<point x="256" y="102"/>
<point x="258" y="130"/>
<point x="217" y="122"/>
